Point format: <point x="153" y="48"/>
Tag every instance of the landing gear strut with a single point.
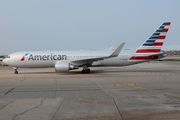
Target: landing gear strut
<point x="85" y="69"/>
<point x="15" y="70"/>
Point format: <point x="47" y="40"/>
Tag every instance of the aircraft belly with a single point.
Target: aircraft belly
<point x="113" y="62"/>
<point x="132" y="62"/>
<point x="35" y="64"/>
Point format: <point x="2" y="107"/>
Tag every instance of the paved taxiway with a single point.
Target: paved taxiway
<point x="147" y="91"/>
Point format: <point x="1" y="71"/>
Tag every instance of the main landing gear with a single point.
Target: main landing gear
<point x="15" y="70"/>
<point x="85" y="69"/>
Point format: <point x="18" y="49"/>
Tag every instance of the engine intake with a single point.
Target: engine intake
<point x="64" y="67"/>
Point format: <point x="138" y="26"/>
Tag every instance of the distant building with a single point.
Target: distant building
<point x="173" y="52"/>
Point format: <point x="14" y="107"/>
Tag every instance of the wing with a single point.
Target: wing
<point x="91" y="60"/>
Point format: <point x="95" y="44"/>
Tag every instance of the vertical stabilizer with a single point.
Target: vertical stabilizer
<point x="152" y="46"/>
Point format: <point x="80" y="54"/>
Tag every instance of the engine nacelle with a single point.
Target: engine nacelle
<point x="64" y="67"/>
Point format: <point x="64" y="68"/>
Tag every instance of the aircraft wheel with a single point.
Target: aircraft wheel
<point x="16" y="72"/>
<point x="85" y="71"/>
<point x="88" y="71"/>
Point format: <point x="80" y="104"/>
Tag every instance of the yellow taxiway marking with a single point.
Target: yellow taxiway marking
<point x="158" y="91"/>
<point x="134" y="85"/>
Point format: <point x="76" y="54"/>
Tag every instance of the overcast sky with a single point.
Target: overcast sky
<point x="84" y="24"/>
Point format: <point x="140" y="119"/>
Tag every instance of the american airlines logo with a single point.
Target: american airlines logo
<point x="44" y="57"/>
<point x="47" y="57"/>
<point x="23" y="58"/>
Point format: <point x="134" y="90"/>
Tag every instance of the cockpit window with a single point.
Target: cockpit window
<point x="8" y="57"/>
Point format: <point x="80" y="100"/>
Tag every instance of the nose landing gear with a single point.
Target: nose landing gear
<point x="15" y="70"/>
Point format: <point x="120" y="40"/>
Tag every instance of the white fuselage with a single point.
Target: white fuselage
<point x="43" y="59"/>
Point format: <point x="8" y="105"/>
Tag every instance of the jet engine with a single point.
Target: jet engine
<point x="64" y="67"/>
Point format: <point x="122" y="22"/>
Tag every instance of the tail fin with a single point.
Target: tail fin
<point x="152" y="46"/>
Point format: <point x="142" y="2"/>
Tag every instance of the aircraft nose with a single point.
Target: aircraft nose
<point x="5" y="61"/>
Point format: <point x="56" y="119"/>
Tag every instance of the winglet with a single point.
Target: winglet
<point x="117" y="51"/>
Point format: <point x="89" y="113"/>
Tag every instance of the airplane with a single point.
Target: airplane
<point x="64" y="61"/>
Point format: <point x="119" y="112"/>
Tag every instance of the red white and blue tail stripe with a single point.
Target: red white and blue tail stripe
<point x="152" y="46"/>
